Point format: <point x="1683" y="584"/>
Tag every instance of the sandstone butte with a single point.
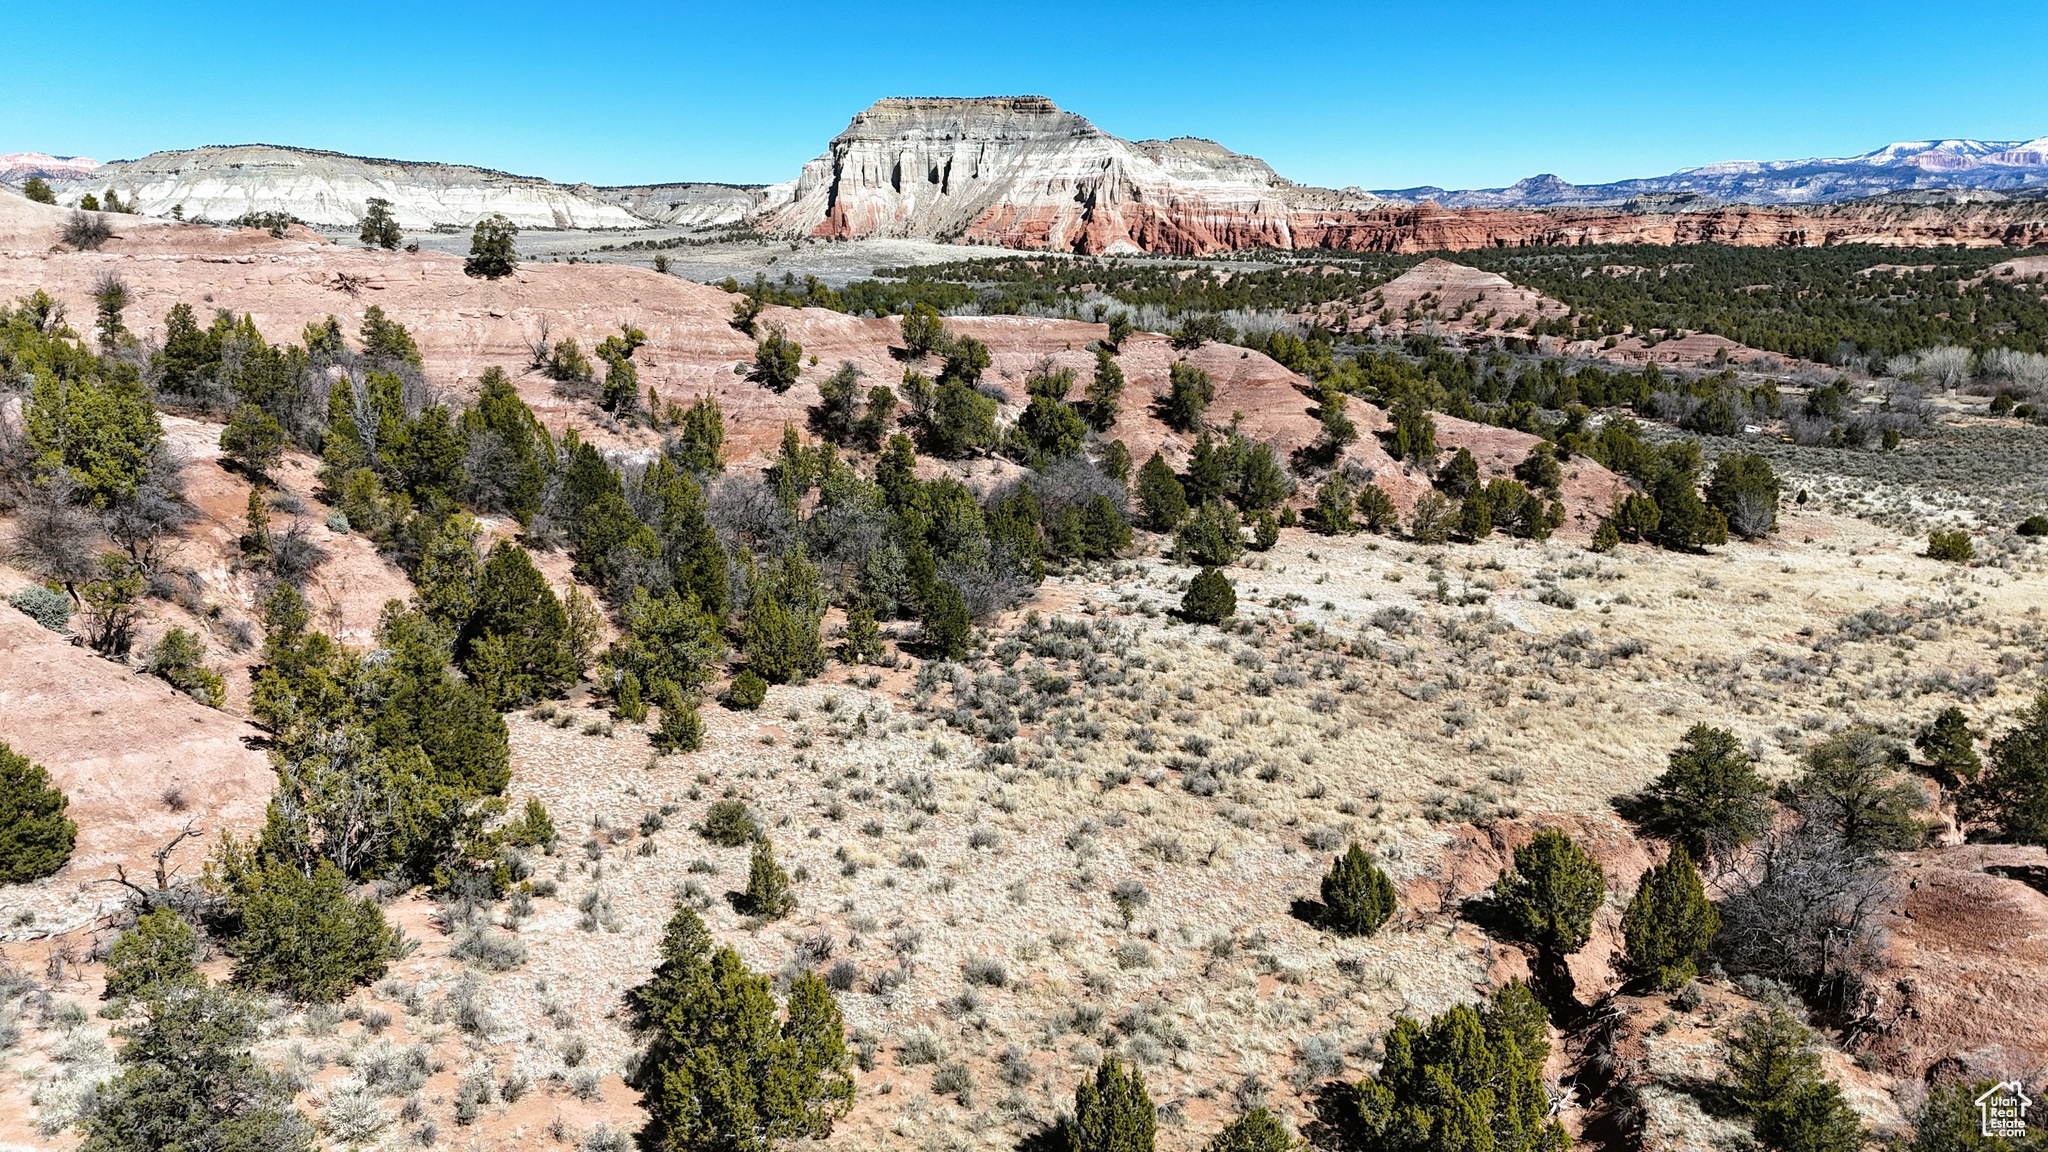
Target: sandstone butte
<point x="1021" y="173"/>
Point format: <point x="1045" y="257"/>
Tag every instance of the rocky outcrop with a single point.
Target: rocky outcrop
<point x="687" y="205"/>
<point x="1021" y="172"/>
<point x="328" y="188"/>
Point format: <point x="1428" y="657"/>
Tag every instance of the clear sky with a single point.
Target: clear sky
<point x="1474" y="94"/>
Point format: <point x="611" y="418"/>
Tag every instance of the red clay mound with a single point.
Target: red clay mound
<point x="129" y="751"/>
<point x="464" y="325"/>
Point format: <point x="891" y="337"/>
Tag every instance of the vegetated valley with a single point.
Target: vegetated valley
<point x="1522" y="698"/>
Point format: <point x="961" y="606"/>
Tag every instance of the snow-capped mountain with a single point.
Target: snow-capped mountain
<point x="1920" y="166"/>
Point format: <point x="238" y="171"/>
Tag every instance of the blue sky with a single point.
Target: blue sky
<point x="1377" y="95"/>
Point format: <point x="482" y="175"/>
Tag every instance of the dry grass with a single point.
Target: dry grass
<point x="1088" y="837"/>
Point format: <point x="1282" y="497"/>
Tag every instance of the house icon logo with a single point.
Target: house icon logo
<point x="2002" y="1110"/>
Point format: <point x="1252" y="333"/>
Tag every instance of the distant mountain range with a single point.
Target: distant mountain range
<point x="1021" y="172"/>
<point x="1997" y="166"/>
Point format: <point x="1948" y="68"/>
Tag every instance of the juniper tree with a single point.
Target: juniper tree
<point x="302" y="935"/>
<point x="1777" y="1080"/>
<point x="1551" y="896"/>
<point x="153" y="956"/>
<point x="491" y="254"/>
<point x="1105" y="391"/>
<point x="747" y="690"/>
<point x="962" y="420"/>
<point x="1414" y="431"/>
<point x="1120" y="329"/>
<point x="35" y="836"/>
<point x="946" y="624"/>
<point x="1209" y="537"/>
<point x="778" y="361"/>
<point x="1209" y="598"/>
<point x="1161" y="495"/>
<point x="783" y="642"/>
<point x="1376" y="509"/>
<point x="768" y="894"/>
<point x="188" y="1081"/>
<point x="1358" y="897"/>
<point x="1468" y="1079"/>
<point x="1189" y="394"/>
<point x="1460" y="477"/>
<point x="837" y="415"/>
<point x="721" y="1072"/>
<point x="380" y="229"/>
<point x="699" y="444"/>
<point x="2011" y="797"/>
<point x="682" y="726"/>
<point x="1113" y="1112"/>
<point x="863" y="638"/>
<point x="923" y="331"/>
<point x="522" y="621"/>
<point x="1334" y="504"/>
<point x="1950" y="747"/>
<point x="1668" y="922"/>
<point x="1853" y="785"/>
<point x="1429" y="522"/>
<point x="1744" y="490"/>
<point x="1256" y="1131"/>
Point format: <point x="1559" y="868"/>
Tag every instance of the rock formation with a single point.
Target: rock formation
<point x="16" y="168"/>
<point x="1021" y="172"/>
<point x="224" y="183"/>
<point x="688" y="205"/>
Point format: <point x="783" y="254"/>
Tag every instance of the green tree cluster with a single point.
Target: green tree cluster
<point x="722" y="1072"/>
<point x="1775" y="1077"/>
<point x="1468" y="1079"/>
<point x="389" y="764"/>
